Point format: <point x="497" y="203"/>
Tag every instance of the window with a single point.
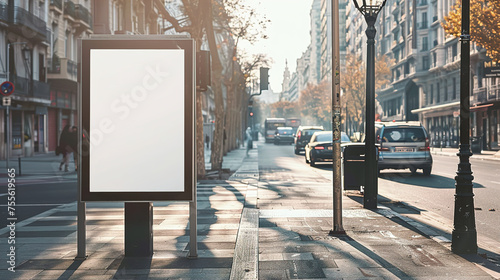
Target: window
<point x="425" y="63"/>
<point x="67" y="44"/>
<point x="454" y="51"/>
<point x="425" y="43"/>
<point x="454" y="92"/>
<point x="403" y="134"/>
<point x="432" y="95"/>
<point x="424" y="20"/>
<point x="445" y="90"/>
<point x="438" y="95"/>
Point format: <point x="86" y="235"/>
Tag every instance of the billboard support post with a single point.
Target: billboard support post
<point x="138" y="229"/>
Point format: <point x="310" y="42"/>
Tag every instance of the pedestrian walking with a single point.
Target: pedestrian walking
<point x="207" y="140"/>
<point x="64" y="147"/>
<point x="73" y="144"/>
<point x="249" y="139"/>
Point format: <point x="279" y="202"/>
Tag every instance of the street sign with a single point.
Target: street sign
<point x="7" y="88"/>
<point x="6" y="101"/>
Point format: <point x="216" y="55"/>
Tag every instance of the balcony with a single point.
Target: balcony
<point x="422" y="3"/>
<point x="4" y="13"/>
<point x="494" y="93"/>
<point x="39" y="90"/>
<point x="56" y="5"/>
<point x="83" y="15"/>
<point x="478" y="96"/>
<point x="395" y="8"/>
<point x="422" y="25"/>
<point x="69" y="10"/>
<point x="62" y="68"/>
<point x="22" y="19"/>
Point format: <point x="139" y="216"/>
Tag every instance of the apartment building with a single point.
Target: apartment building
<point x="425" y="80"/>
<point x="68" y="21"/>
<point x="24" y="40"/>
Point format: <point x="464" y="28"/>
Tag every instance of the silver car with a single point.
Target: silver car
<point x="403" y="145"/>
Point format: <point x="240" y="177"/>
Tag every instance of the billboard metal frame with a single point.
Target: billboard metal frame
<point x="138" y="42"/>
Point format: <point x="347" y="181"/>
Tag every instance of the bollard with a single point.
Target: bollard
<point x="19" y="162"/>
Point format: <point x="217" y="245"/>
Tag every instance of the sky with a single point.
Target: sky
<point x="288" y="34"/>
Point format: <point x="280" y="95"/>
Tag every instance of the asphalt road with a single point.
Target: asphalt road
<point x="37" y="194"/>
<point x="434" y="195"/>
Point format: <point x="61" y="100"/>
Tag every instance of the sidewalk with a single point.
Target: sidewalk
<point x="484" y="155"/>
<point x="249" y="227"/>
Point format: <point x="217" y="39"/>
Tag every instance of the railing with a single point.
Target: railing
<point x="19" y="16"/>
<point x="57" y="4"/>
<point x="62" y="68"/>
<point x="478" y="95"/>
<point x="494" y="93"/>
<point x="69" y="9"/>
<point x="41" y="90"/>
<point x="83" y="14"/>
<point x="54" y="65"/>
<point x="21" y="84"/>
<point x="4" y="12"/>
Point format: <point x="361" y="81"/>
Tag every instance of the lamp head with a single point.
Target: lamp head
<point x="26" y="53"/>
<point x="369" y="7"/>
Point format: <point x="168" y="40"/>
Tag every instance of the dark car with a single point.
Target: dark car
<point x="320" y="148"/>
<point x="403" y="145"/>
<point x="303" y="135"/>
<point x="283" y="134"/>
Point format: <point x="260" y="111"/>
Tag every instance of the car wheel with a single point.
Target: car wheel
<point x="311" y="162"/>
<point x="413" y="170"/>
<point x="427" y="170"/>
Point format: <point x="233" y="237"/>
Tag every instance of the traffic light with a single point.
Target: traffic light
<point x="264" y="78"/>
<point x="203" y="70"/>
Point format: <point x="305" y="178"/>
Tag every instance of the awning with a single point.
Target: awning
<point x="473" y="108"/>
<point x="437" y="107"/>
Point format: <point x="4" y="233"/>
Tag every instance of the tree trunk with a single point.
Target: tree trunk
<point x="217" y="145"/>
<point x="217" y="79"/>
<point x="200" y="151"/>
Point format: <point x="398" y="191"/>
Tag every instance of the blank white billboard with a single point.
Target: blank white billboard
<point x="137" y="106"/>
<point x="136" y="121"/>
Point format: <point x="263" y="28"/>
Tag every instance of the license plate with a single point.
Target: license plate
<point x="399" y="150"/>
<point x="329" y="148"/>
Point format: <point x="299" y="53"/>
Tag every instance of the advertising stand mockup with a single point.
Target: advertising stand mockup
<point x="137" y="126"/>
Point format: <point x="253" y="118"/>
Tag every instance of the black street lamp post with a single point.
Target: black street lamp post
<point x="370" y="10"/>
<point x="464" y="236"/>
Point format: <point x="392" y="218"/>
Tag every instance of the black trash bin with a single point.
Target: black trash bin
<point x="354" y="165"/>
<point x="476" y="144"/>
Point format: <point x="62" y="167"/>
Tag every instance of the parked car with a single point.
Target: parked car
<point x="403" y="145"/>
<point x="283" y="134"/>
<point x="320" y="147"/>
<point x="303" y="136"/>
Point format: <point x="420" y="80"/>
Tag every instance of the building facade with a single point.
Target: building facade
<point x="68" y="21"/>
<point x="425" y="76"/>
<point x="24" y="41"/>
